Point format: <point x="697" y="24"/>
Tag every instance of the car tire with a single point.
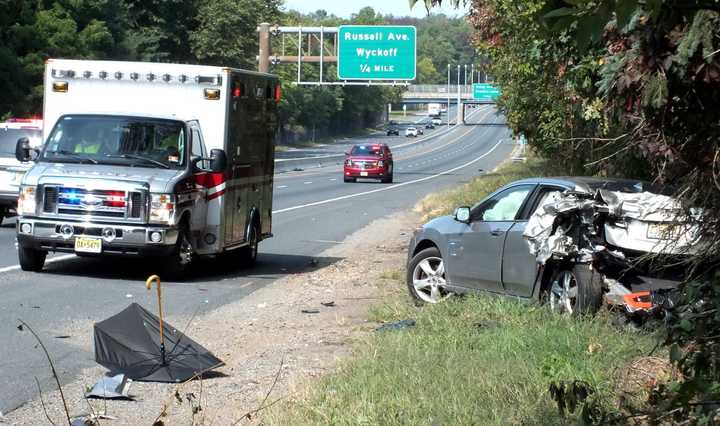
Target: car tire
<point x="179" y="263"/>
<point x="31" y="260"/>
<point x="426" y="277"/>
<point x="387" y="179"/>
<point x="349" y="179"/>
<point x="575" y="290"/>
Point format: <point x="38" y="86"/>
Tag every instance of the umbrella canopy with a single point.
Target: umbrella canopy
<point x="129" y="343"/>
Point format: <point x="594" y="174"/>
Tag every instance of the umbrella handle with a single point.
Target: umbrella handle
<point x="148" y="284"/>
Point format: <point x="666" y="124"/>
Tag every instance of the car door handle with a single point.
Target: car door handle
<point x="497" y="232"/>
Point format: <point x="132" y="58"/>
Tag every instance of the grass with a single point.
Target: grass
<point x="472" y="360"/>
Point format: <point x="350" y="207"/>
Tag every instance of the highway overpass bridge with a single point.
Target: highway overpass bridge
<point x="439" y="93"/>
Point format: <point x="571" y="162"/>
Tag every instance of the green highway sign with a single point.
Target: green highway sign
<point x="485" y="92"/>
<point x="376" y="52"/>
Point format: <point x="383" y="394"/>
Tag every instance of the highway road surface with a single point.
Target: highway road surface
<point x="313" y="209"/>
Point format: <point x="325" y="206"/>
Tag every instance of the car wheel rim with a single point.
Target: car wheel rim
<point x="563" y="293"/>
<point x="186" y="251"/>
<point x="429" y="280"/>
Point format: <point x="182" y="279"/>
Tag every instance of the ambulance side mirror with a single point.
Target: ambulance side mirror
<point x="218" y="160"/>
<point x="23" y="149"/>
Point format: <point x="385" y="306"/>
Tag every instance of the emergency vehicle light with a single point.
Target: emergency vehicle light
<point x="60" y="86"/>
<point x="277" y="93"/>
<point x="215" y="80"/>
<point x="212" y="94"/>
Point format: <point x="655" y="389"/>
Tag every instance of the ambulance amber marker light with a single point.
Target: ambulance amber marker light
<point x="212" y="94"/>
<point x="60" y="86"/>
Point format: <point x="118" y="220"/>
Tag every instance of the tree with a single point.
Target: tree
<point x="226" y="31"/>
<point x="426" y="72"/>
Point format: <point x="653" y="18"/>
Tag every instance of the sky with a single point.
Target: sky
<point x="343" y="8"/>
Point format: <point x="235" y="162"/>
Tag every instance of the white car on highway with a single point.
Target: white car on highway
<point x="436" y="121"/>
<point x="411" y="131"/>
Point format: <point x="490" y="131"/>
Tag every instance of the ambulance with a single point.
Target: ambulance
<point x="149" y="159"/>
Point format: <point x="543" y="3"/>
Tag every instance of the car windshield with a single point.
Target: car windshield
<point x="131" y="141"/>
<point x="9" y="138"/>
<point x="367" y="150"/>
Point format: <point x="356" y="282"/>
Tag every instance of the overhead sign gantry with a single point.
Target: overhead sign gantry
<point x="365" y="54"/>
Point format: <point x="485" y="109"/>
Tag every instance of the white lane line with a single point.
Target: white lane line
<point x="50" y="260"/>
<point x="333" y="179"/>
<point x="388" y="188"/>
<point x="307" y="183"/>
<point x="282" y="186"/>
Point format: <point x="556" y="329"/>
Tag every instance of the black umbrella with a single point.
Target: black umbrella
<point x="131" y="343"/>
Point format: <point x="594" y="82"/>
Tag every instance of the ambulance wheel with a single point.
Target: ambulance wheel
<point x="249" y="252"/>
<point x="179" y="262"/>
<point x="31" y="260"/>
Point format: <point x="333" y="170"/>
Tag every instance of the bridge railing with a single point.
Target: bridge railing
<point x="439" y="88"/>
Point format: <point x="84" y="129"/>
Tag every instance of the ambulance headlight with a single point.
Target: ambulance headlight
<point x="27" y="200"/>
<point x="162" y="209"/>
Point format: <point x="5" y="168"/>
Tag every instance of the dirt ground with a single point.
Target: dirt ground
<point x="265" y="338"/>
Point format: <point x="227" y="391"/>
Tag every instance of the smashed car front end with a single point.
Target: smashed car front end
<point x="639" y="242"/>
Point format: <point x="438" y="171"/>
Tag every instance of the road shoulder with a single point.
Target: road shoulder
<point x="263" y="338"/>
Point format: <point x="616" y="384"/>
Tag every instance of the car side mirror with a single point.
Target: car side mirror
<point x="462" y="214"/>
<point x="218" y="160"/>
<point x="23" y="150"/>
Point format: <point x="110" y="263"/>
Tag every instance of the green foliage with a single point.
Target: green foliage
<point x="225" y="31"/>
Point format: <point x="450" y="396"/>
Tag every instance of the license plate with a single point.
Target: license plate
<point x="363" y="173"/>
<point x="88" y="245"/>
<point x="657" y="231"/>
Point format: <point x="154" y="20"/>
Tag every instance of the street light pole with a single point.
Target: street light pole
<point x="448" y="97"/>
<point x="465" y="79"/>
<point x="472" y="73"/>
<point x="457" y="106"/>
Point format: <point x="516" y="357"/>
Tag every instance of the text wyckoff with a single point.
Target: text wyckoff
<point x="377" y="36"/>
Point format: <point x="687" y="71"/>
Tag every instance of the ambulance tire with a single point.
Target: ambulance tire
<point x="248" y="254"/>
<point x="178" y="264"/>
<point x="30" y="259"/>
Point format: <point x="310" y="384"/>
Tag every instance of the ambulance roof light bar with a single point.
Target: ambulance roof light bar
<point x="213" y="80"/>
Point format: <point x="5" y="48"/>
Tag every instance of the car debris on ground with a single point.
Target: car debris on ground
<point x="636" y="241"/>
<point x="113" y="387"/>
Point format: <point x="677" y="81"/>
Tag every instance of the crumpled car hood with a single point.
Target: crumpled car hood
<point x="642" y="222"/>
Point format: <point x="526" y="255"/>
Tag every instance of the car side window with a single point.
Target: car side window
<point x="503" y="206"/>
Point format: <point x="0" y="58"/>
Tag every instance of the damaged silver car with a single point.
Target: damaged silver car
<point x="573" y="242"/>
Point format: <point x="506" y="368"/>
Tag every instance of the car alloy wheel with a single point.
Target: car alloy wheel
<point x="428" y="279"/>
<point x="563" y="293"/>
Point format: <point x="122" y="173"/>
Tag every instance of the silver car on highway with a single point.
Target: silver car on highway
<point x="486" y="247"/>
